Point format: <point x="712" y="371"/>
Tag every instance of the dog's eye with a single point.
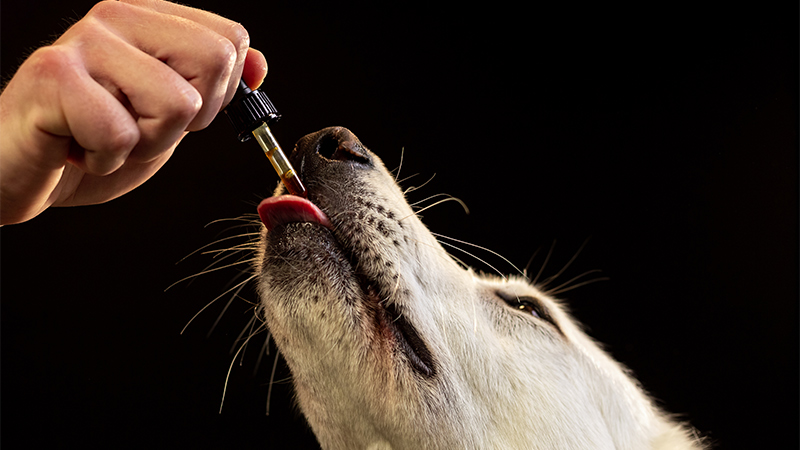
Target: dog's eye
<point x="523" y="304"/>
<point x="530" y="305"/>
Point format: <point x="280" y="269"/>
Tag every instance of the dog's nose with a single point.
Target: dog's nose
<point x="334" y="144"/>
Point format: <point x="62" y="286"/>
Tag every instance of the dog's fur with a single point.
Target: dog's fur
<point x="392" y="344"/>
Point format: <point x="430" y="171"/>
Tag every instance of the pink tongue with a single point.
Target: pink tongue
<point x="285" y="209"/>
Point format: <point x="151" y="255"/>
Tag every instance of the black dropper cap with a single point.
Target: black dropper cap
<point x="248" y="110"/>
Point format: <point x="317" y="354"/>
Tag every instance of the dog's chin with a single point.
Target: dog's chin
<point x="305" y="241"/>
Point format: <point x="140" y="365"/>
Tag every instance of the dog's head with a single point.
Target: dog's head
<point x="391" y="342"/>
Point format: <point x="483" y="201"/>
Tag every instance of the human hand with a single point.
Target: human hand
<point x="97" y="113"/>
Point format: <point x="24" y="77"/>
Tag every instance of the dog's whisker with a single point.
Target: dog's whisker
<point x="214" y="243"/>
<point x="444" y="256"/>
<point x="228" y="376"/>
<point x="259" y="312"/>
<point x="238" y="339"/>
<point x="572" y="280"/>
<point x="247" y="246"/>
<point x="544" y="264"/>
<point x="414" y="188"/>
<point x="482" y="248"/>
<point x="283" y="380"/>
<point x="449" y="199"/>
<point x="250" y="242"/>
<point x="215" y="299"/>
<point x="402" y="153"/>
<point x="406" y="179"/>
<point x="247" y="218"/>
<point x="242" y="250"/>
<point x="225" y="256"/>
<point x="459" y="261"/>
<point x="272" y="379"/>
<point x="530" y="261"/>
<point x="264" y="351"/>
<point x="581" y="284"/>
<point x="550" y="279"/>
<point x="474" y="319"/>
<point x="474" y="256"/>
<point x="209" y="270"/>
<point x="233" y="297"/>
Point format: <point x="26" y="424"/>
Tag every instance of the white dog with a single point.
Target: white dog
<point x="393" y="345"/>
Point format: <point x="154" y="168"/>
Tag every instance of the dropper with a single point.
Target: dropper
<point x="250" y="111"/>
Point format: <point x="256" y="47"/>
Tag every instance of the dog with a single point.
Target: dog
<point x="394" y="345"/>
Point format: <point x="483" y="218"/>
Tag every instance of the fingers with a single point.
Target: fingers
<point x="208" y="54"/>
<point x="120" y="103"/>
<point x="54" y="96"/>
<point x="173" y="75"/>
<point x="158" y="119"/>
<point x="102" y="127"/>
<point x="232" y="31"/>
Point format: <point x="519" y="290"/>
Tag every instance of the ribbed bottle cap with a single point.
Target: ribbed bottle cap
<point x="248" y="110"/>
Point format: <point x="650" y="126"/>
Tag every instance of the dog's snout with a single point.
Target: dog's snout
<point x="333" y="144"/>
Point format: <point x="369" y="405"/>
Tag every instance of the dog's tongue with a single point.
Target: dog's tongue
<point x="285" y="209"/>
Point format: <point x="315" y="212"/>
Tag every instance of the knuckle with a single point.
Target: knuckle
<point x="225" y="55"/>
<point x="121" y="140"/>
<point x="105" y="10"/>
<point x="227" y="47"/>
<point x="184" y="104"/>
<point x="238" y="36"/>
<point x="51" y="62"/>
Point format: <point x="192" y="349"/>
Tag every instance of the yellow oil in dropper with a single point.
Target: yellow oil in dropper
<point x="279" y="161"/>
<point x="250" y="111"/>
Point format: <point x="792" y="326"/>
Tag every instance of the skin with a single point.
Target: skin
<point x="97" y="113"/>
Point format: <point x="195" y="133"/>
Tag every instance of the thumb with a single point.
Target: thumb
<point x="255" y="68"/>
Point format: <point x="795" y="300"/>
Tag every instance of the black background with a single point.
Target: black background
<point x="665" y="132"/>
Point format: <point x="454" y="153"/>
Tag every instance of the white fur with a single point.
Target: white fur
<point x="505" y="379"/>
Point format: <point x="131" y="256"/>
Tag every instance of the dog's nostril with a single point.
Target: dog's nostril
<point x="327" y="146"/>
<point x="342" y="146"/>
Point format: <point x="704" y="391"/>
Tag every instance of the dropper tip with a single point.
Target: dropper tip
<point x="294" y="185"/>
